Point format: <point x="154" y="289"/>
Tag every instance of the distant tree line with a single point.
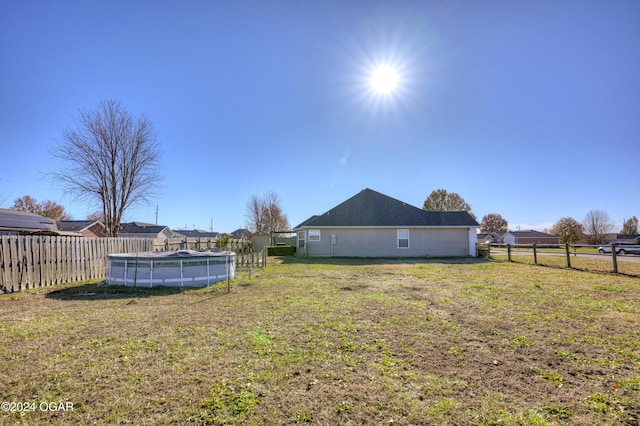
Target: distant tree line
<point x="594" y="228"/>
<point x="47" y="208"/>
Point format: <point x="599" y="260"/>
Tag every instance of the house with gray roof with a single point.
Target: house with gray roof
<point x="86" y="228"/>
<point x="529" y="236"/>
<point x="196" y="233"/>
<point x="144" y="230"/>
<point x="371" y="224"/>
<point x="241" y="233"/>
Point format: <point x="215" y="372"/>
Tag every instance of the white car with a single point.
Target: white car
<point x="621" y="248"/>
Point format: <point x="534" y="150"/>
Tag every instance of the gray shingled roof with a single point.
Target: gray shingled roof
<point x="75" y="225"/>
<point x="141" y="228"/>
<point x="371" y="208"/>
<point x="197" y="233"/>
<point x="530" y="233"/>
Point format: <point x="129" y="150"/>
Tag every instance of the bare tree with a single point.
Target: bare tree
<point x="48" y="208"/>
<point x="596" y="226"/>
<point x="111" y="158"/>
<point x="54" y="211"/>
<point x="96" y="216"/>
<point x="255" y="214"/>
<point x="493" y="222"/>
<point x="26" y="204"/>
<point x="264" y="214"/>
<point x="440" y="200"/>
<point x="630" y="226"/>
<point x="275" y="218"/>
<point x="568" y="230"/>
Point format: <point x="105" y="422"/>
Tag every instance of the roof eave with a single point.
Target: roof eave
<point x="383" y="226"/>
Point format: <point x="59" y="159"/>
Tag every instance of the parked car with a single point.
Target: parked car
<point x="621" y="248"/>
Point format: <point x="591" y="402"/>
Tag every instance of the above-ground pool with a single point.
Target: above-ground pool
<point x="184" y="268"/>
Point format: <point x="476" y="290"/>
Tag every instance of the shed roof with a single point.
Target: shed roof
<point x="15" y="220"/>
<point x="370" y="208"/>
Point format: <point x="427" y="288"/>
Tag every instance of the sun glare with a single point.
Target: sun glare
<point x="384" y="79"/>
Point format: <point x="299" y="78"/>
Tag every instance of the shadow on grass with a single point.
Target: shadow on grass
<point x="100" y="291"/>
<point x="380" y="261"/>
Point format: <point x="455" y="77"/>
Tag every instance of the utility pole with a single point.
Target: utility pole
<point x="156" y="214"/>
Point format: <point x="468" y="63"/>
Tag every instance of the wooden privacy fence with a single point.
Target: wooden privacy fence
<point x="170" y="244"/>
<point x="40" y="261"/>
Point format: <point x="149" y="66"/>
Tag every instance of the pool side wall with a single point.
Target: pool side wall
<point x="196" y="271"/>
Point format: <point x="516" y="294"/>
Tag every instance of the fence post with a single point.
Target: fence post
<point x="566" y="249"/>
<point x="614" y="258"/>
<point x="264" y="257"/>
<point x="509" y="252"/>
<point x="228" y="273"/>
<point x="535" y="254"/>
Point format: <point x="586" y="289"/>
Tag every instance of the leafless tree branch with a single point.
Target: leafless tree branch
<point x="111" y="158"/>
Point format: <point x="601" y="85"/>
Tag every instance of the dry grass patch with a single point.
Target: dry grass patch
<point x="626" y="265"/>
<point x="333" y="342"/>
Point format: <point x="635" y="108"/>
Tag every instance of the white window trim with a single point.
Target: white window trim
<point x="403" y="232"/>
<point x="312" y="234"/>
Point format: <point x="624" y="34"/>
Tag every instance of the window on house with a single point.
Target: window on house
<point x="314" y="235"/>
<point x="403" y="238"/>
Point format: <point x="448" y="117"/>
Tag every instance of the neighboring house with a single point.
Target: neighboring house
<point x="490" y="238"/>
<point x="529" y="237"/>
<point x="87" y="228"/>
<point x="196" y="233"/>
<point x="628" y="237"/>
<point x="259" y="240"/>
<point x="145" y="230"/>
<point x="239" y="234"/>
<point x="371" y="224"/>
<point x="15" y="222"/>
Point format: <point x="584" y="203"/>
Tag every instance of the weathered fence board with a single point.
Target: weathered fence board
<point x="174" y="244"/>
<point x="39" y="261"/>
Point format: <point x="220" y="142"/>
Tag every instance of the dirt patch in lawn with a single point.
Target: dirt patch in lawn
<point x="347" y="341"/>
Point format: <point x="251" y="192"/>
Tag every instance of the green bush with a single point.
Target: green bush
<point x="483" y="250"/>
<point x="281" y="251"/>
<point x="223" y="242"/>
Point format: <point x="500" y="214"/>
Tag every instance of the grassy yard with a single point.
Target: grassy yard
<point x="600" y="264"/>
<point x="331" y="342"/>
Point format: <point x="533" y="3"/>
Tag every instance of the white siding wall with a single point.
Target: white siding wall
<point x="509" y="238"/>
<point x="473" y="241"/>
<point x="382" y="242"/>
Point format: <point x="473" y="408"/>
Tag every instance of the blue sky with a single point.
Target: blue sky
<point x="529" y="109"/>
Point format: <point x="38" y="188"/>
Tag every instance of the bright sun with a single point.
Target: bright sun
<point x="384" y="79"/>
